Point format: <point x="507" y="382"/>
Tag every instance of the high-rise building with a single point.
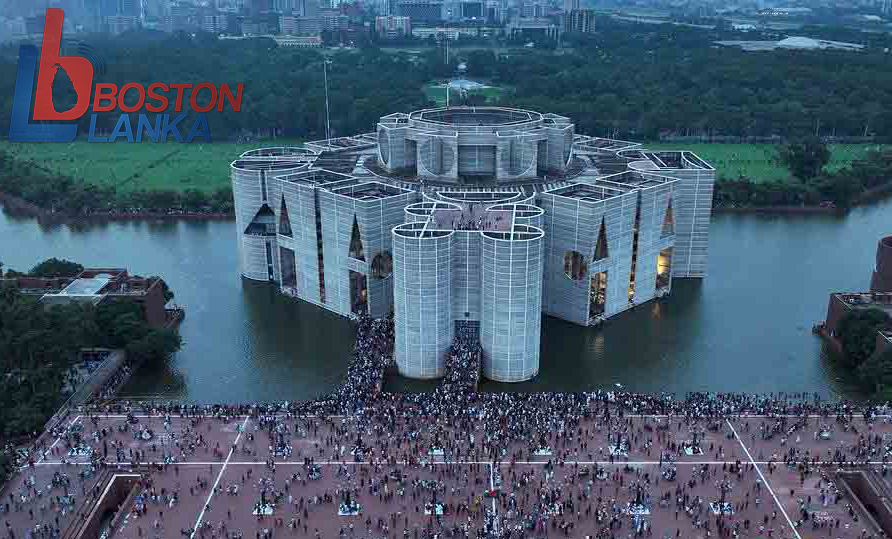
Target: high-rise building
<point x="532" y="9"/>
<point x="117" y="24"/>
<point x="472" y="9"/>
<point x="214" y="23"/>
<point x="581" y="21"/>
<point x="332" y="20"/>
<point x="129" y="8"/>
<point x="570" y="5"/>
<point x="429" y="11"/>
<point x="494" y="12"/>
<point x="393" y="26"/>
<point x="288" y="25"/>
<point x="307" y="8"/>
<point x="285" y="7"/>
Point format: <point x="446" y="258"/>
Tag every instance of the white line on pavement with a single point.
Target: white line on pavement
<point x="217" y="482"/>
<point x="765" y="482"/>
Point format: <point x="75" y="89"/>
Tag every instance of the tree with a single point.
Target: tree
<point x="805" y="157"/>
<point x="194" y="200"/>
<point x="39" y="345"/>
<point x="55" y="267"/>
<point x="156" y="344"/>
<point x="876" y="373"/>
<point x="857" y="332"/>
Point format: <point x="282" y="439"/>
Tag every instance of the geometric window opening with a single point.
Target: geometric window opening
<point x="289" y="269"/>
<point x="263" y="224"/>
<point x="356" y="242"/>
<point x="601" y="247"/>
<point x="598" y="294"/>
<point x="574" y="265"/>
<point x="284" y="220"/>
<point x="635" y="228"/>
<point x="358" y="293"/>
<point x="382" y="265"/>
<point x="668" y="222"/>
<point x="664" y="267"/>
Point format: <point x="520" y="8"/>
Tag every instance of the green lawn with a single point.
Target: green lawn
<point x="144" y="165"/>
<point x="206" y="166"/>
<point x="756" y="161"/>
<point x="436" y="92"/>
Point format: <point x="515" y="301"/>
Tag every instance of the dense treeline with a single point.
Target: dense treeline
<point x="840" y="189"/>
<point x="857" y="334"/>
<point x="648" y="81"/>
<point x="283" y="87"/>
<point x="62" y="194"/>
<point x="627" y="80"/>
<point x="39" y="347"/>
<point x="641" y="82"/>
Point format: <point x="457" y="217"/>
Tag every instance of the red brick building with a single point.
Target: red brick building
<point x="97" y="285"/>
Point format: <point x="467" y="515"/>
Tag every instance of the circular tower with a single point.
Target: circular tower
<point x="256" y="193"/>
<point x="511" y="302"/>
<point x="422" y="298"/>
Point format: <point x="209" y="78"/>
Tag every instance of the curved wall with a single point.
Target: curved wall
<point x="488" y="143"/>
<point x="254" y="184"/>
<point x="511" y="318"/>
<point x="882" y="273"/>
<point x="247" y="197"/>
<point x="422" y="294"/>
<point x="254" y="262"/>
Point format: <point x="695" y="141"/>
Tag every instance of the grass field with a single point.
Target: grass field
<point x="206" y="166"/>
<point x="436" y="92"/>
<point x="756" y="161"/>
<point x="140" y="166"/>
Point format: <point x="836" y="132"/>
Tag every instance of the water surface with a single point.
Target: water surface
<point x="746" y="327"/>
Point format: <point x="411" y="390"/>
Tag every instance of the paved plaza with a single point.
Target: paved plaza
<point x="259" y="476"/>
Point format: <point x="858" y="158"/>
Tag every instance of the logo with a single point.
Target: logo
<point x="106" y="96"/>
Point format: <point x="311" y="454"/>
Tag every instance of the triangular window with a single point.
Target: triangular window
<point x="601" y="246"/>
<point x="668" y="222"/>
<point x="284" y="221"/>
<point x="263" y="224"/>
<point x="356" y="250"/>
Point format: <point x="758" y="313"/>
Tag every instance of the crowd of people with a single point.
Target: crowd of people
<point x="402" y="434"/>
<point x="463" y="363"/>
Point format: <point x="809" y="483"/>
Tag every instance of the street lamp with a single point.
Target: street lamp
<point x="327" y="115"/>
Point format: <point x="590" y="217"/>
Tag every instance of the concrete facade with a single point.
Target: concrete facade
<point x="481" y="218"/>
<point x="881" y="280"/>
<point x="422" y="299"/>
<point x="475" y="144"/>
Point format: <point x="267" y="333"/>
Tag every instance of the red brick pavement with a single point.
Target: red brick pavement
<point x="331" y="442"/>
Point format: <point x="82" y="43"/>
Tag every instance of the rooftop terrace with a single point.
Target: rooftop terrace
<point x="588" y="192"/>
<point x="482" y="116"/>
<point x="369" y="190"/>
<point x="874" y="300"/>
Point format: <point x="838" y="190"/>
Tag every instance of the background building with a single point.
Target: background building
<point x="879" y="297"/>
<point x="393" y="26"/>
<point x="472" y="218"/>
<point x="581" y="21"/>
<point x="429" y="11"/>
<point x="533" y="28"/>
<point x="881" y="280"/>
